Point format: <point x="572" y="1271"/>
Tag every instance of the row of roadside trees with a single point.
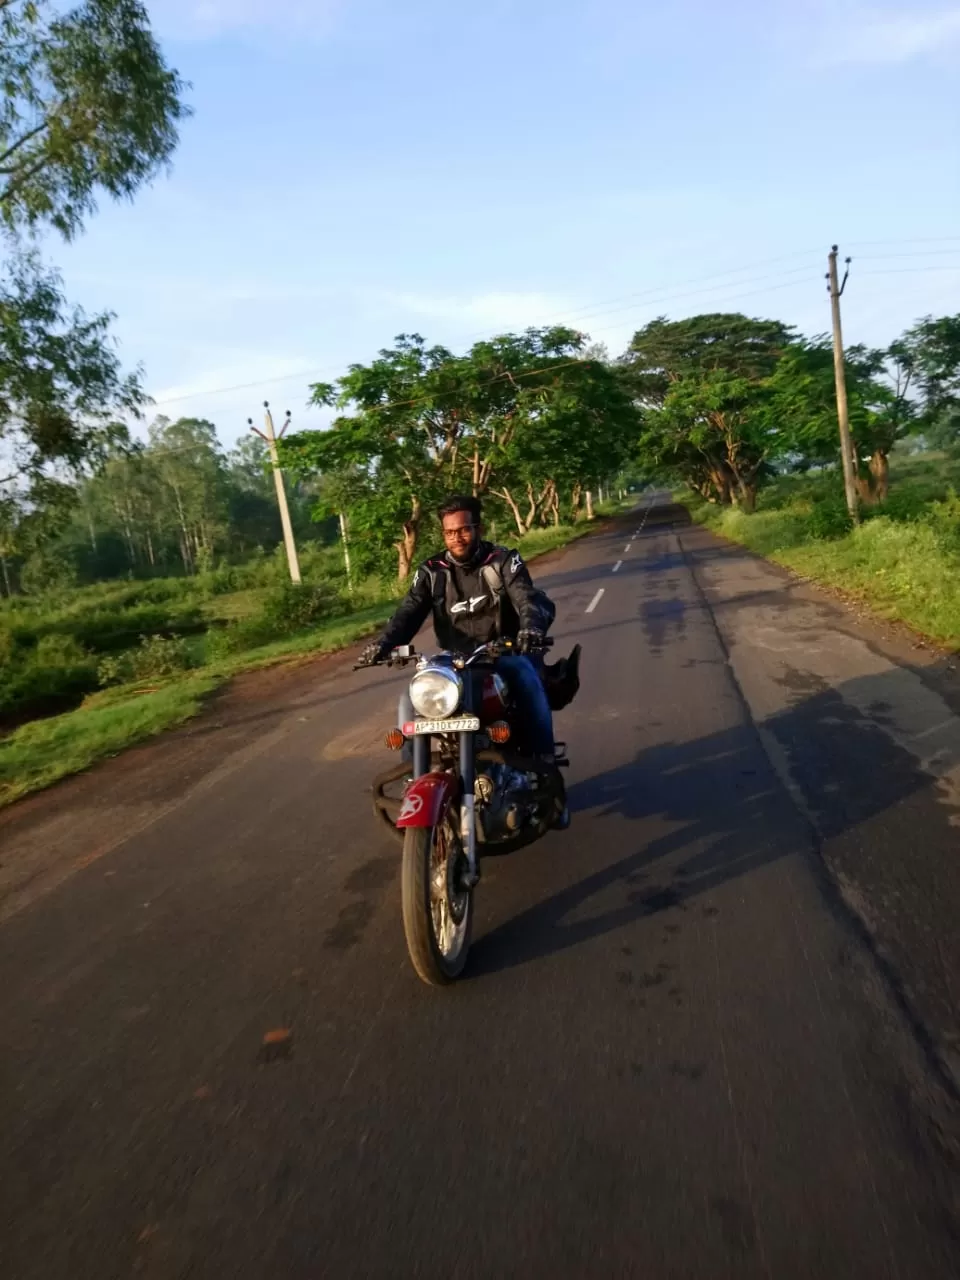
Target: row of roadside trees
<point x="533" y="422"/>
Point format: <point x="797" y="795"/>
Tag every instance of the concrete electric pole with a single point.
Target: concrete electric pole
<point x="847" y="454"/>
<point x="271" y="439"/>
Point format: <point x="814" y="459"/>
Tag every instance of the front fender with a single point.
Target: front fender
<point x="426" y="798"/>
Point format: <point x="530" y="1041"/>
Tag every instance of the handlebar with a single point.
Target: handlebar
<point x="405" y="653"/>
<point x="501" y="648"/>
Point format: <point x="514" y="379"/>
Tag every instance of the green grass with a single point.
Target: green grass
<point x="44" y="751"/>
<point x="41" y="753"/>
<point x="903" y="561"/>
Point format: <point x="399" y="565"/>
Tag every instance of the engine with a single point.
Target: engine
<point x="505" y="800"/>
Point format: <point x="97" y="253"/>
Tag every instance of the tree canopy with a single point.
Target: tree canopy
<point x="89" y="105"/>
<point x="518" y="417"/>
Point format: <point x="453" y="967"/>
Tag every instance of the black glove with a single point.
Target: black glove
<point x="375" y="652"/>
<point x="531" y="641"/>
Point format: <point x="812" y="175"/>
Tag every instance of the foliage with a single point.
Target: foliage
<point x="60" y="379"/>
<point x="732" y="400"/>
<point x="516" y="417"/>
<point x="288" y="608"/>
<point x="155" y="658"/>
<point x="904" y="560"/>
<point x="53" y="674"/>
<point x="705" y="383"/>
<point x="89" y="104"/>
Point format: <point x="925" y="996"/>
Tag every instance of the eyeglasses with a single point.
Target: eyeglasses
<point x="464" y="532"/>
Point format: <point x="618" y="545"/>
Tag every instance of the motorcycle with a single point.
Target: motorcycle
<point x="468" y="784"/>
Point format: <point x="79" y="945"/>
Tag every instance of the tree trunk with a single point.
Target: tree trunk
<point x="407" y="546"/>
<point x="748" y="496"/>
<point x="879" y="465"/>
<point x="531" y="513"/>
<point x="720" y="480"/>
<point x="865" y="490"/>
<point x="93" y="532"/>
<point x="6" y="574"/>
<point x="508" y="498"/>
<point x="575" y="499"/>
<point x="589" y="505"/>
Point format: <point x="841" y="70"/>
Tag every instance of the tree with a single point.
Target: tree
<point x="580" y="426"/>
<point x="89" y="104"/>
<point x="703" y="383"/>
<point x="930" y="352"/>
<point x="803" y="407"/>
<point x="189" y="464"/>
<point x="425" y="421"/>
<point x="60" y="378"/>
<point x="403" y="435"/>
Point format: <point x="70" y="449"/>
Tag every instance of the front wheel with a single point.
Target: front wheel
<point x="437" y="910"/>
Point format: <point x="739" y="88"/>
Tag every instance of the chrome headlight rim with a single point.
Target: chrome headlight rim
<point x="436" y="691"/>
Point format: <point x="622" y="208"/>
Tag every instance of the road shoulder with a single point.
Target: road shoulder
<point x="862" y="725"/>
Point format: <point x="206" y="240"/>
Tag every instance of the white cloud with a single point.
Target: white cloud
<point x="210" y="19"/>
<point x="884" y="36"/>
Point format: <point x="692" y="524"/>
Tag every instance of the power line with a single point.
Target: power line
<point x="899" y="271"/>
<point x="583" y="312"/>
<point x="910" y="240"/>
<point x="652" y="296"/>
<point x="914" y="253"/>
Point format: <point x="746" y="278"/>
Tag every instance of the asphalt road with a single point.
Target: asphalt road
<point x="706" y="1032"/>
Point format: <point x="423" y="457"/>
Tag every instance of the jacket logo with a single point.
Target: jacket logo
<point x="469" y="606"/>
<point x="516" y="563"/>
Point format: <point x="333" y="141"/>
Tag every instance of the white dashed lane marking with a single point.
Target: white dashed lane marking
<point x="595" y="601"/>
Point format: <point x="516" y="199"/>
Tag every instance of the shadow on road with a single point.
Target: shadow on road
<point x="690" y="816"/>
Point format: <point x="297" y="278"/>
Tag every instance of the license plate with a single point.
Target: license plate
<point x="458" y="724"/>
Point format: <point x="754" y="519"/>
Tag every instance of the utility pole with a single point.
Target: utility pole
<point x="346" y="551"/>
<point x="847" y="454"/>
<point x="271" y="439"/>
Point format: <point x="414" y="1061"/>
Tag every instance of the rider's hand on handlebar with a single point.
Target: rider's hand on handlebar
<point x="374" y="652"/>
<point x="531" y="641"/>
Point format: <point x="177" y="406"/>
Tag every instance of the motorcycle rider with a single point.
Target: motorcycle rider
<point x="480" y="592"/>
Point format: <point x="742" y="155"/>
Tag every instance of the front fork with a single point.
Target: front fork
<point x="421" y="765"/>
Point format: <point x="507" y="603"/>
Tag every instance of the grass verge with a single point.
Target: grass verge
<point x="44" y="751"/>
<point x="905" y="569"/>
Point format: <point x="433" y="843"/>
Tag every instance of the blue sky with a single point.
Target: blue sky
<point x="360" y="168"/>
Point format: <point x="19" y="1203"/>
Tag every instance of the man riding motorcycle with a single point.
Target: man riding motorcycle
<point x="479" y="592"/>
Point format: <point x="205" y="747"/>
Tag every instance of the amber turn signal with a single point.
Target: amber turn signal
<point x="499" y="731"/>
<point x="394" y="739"/>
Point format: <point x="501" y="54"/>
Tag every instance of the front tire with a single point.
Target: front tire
<point x="437" y="912"/>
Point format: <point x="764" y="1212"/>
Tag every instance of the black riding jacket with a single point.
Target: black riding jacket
<point x="468" y="609"/>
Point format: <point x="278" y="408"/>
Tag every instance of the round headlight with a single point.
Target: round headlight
<point x="435" y="692"/>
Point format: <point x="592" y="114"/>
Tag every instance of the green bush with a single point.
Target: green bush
<point x="155" y="658"/>
<point x="829" y="519"/>
<point x="236" y="637"/>
<point x="8" y="647"/>
<point x="902" y="505"/>
<point x="288" y="608"/>
<point x="107" y="628"/>
<point x="55" y="673"/>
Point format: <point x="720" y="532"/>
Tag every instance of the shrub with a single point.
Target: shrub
<point x="248" y="633"/>
<point x="903" y="505"/>
<point x="156" y="658"/>
<point x="829" y="520"/>
<point x="289" y="608"/>
<point x="57" y="672"/>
